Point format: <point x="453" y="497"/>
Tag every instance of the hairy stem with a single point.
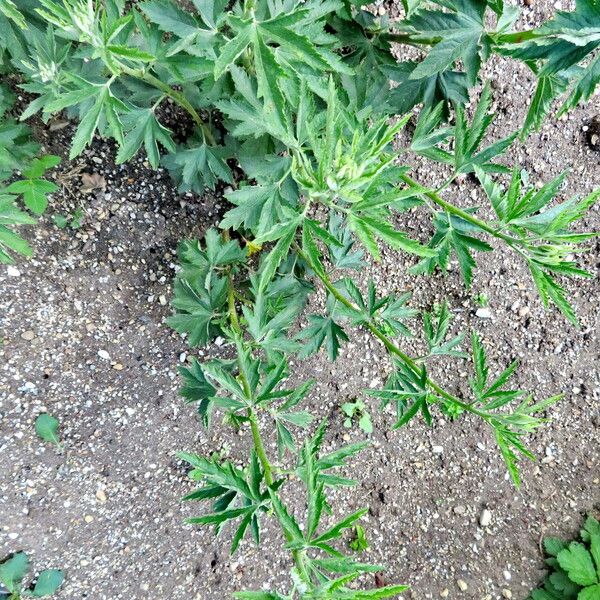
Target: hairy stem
<point x="259" y="446"/>
<point x="465" y="216"/>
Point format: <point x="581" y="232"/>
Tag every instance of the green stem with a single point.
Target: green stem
<point x="299" y="556"/>
<point x="260" y="447"/>
<point x="177" y="97"/>
<point x="390" y="346"/>
<point x="465" y="216"/>
<point x="514" y="37"/>
<point x="409" y="39"/>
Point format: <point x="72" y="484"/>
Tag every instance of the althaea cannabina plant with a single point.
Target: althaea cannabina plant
<point x="300" y="97"/>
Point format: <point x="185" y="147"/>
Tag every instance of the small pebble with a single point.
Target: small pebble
<point x="483" y="313"/>
<point x="506" y="593"/>
<point x="485" y="519"/>
<point x="444" y="593"/>
<point x="28" y="335"/>
<point x="88" y="518"/>
<point x="104" y="354"/>
<point x="101" y="496"/>
<point x="462" y="585"/>
<point x="13" y="271"/>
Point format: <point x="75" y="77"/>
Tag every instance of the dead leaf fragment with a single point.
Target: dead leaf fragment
<point x="91" y="182"/>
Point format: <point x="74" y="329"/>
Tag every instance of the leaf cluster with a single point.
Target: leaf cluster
<point x="574" y="567"/>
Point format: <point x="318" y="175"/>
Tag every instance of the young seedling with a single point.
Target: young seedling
<point x="46" y="426"/>
<point x="574" y="567"/>
<point x="356" y="412"/>
<point x="14" y="570"/>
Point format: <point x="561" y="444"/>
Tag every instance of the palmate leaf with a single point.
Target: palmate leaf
<point x="201" y="289"/>
<point x="322" y="330"/>
<point x="343" y="255"/>
<point x="564" y="47"/>
<point x="465" y="156"/>
<point x="577" y="561"/>
<point x="447" y="87"/>
<point x="435" y="327"/>
<point x="459" y="33"/>
<point x="16" y="147"/>
<point x="284" y="30"/>
<point x="257" y="208"/>
<point x="544" y="233"/>
<point x="237" y="494"/>
<point x="32" y="187"/>
<point x="197" y="165"/>
<point x="409" y="391"/>
<point x="142" y="128"/>
<point x="11" y="215"/>
<point x="388" y="312"/>
<point x="452" y="234"/>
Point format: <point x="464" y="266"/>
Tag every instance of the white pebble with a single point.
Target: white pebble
<point x="104" y="354"/>
<point x="485" y="519"/>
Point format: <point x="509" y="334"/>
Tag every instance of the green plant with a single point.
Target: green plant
<point x="72" y="220"/>
<point x="359" y="543"/>
<point x="18" y="154"/>
<point x="296" y="105"/>
<point x="46" y="426"/>
<point x="357" y="411"/>
<point x="482" y="299"/>
<point x="575" y="567"/>
<point x="14" y="569"/>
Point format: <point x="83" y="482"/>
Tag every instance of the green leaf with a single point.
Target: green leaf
<point x="34" y="193"/>
<point x="452" y="235"/>
<point x="233" y="49"/>
<point x="169" y="17"/>
<point x="8" y="8"/>
<point x="198" y="166"/>
<point x="142" y="127"/>
<point x="13" y="570"/>
<point x="548" y="88"/>
<point x="46" y="426"/>
<point x="553" y="546"/>
<point x="462" y="37"/>
<point x="48" y="582"/>
<point x="322" y="330"/>
<point x="577" y="562"/>
<point x="367" y="228"/>
<point x="10" y="215"/>
<point x="268" y="73"/>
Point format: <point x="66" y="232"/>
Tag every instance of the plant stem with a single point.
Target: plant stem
<point x="465" y="216"/>
<point x="177" y="97"/>
<point x="413" y="39"/>
<point x="391" y="347"/>
<point x="260" y="447"/>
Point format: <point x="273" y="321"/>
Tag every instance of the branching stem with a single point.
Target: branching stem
<point x="393" y="348"/>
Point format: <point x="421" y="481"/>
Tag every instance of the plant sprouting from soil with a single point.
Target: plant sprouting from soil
<point x="302" y="109"/>
<point x="13" y="571"/>
<point x="574" y="567"/>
